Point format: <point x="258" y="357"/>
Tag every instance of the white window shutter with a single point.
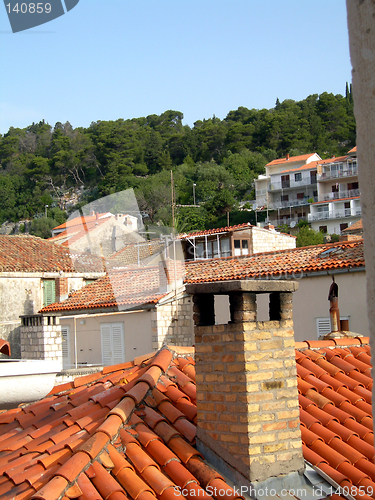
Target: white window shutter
<point x="118" y="343"/>
<point x="323" y="326"/>
<point x="113" y="349"/>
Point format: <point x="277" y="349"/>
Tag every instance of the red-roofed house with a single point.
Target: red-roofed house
<point x="129" y="311"/>
<point x="233" y="241"/>
<point x="33" y="273"/>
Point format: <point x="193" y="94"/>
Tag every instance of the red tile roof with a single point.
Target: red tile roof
<point x="31" y="254"/>
<point x="124" y="287"/>
<point x="354" y="150"/>
<point x="334" y="385"/>
<point x="291" y="159"/>
<point x="136" y="286"/>
<point x="143" y="251"/>
<point x="129" y="431"/>
<point x="78" y="221"/>
<point x="291" y="262"/>
<point x="207" y="232"/>
<point x="357" y="226"/>
<point x="314" y="164"/>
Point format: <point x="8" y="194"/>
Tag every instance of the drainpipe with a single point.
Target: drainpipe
<point x="75" y="342"/>
<point x="334" y="306"/>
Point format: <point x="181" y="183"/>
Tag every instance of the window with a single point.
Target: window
<point x="323" y="229"/>
<point x="284" y="197"/>
<point x="225" y="247"/>
<point x="113" y="348"/>
<point x="298" y="177"/>
<point x="65" y="347"/>
<point x="343" y="226"/>
<point x="300" y="196"/>
<point x="241" y="247"/>
<point x="49" y="292"/>
<point x="313" y="177"/>
<point x="285" y="182"/>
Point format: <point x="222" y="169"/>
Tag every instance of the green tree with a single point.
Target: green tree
<point x="42" y="227"/>
<point x="307" y="237"/>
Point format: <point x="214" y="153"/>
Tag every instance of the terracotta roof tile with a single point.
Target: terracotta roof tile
<point x="291" y="159"/>
<point x="294" y="262"/>
<point x="31" y="254"/>
<point x="130" y="287"/>
<point x="155" y="452"/>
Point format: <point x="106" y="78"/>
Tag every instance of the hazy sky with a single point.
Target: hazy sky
<point x="110" y="59"/>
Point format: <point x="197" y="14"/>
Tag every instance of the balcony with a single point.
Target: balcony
<point x="287" y="220"/>
<point x="291" y="184"/>
<point x="295" y="202"/>
<point x="337" y="214"/>
<point x="349" y="171"/>
<point x="352" y="193"/>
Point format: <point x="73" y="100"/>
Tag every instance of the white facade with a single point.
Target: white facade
<point x="338" y="203"/>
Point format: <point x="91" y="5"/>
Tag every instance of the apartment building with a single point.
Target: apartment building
<point x="288" y="187"/>
<point x="323" y="192"/>
<point x="338" y="205"/>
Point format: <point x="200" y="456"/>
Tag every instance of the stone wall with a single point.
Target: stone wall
<point x="41" y="339"/>
<point x="172" y="323"/>
<point x="264" y="240"/>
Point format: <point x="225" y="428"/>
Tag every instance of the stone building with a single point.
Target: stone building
<point x="35" y="273"/>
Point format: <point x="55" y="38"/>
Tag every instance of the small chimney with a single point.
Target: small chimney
<point x="287" y="157"/>
<point x="270" y="227"/>
<point x="247" y="398"/>
<point x="92" y="213"/>
<point x="334" y="311"/>
<point x="97" y="216"/>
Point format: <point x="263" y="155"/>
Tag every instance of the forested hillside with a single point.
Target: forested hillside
<point x="44" y="165"/>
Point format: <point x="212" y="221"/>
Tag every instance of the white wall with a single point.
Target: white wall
<point x="310" y="302"/>
<point x="137" y="335"/>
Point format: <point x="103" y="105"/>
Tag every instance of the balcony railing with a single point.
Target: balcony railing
<point x="295" y="202"/>
<point x="290" y="220"/>
<point x="349" y="171"/>
<point x="337" y="214"/>
<point x="352" y="193"/>
<point x="291" y="184"/>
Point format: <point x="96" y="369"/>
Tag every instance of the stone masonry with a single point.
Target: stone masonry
<point x="247" y="397"/>
<point x="172" y="323"/>
<point x="41" y="338"/>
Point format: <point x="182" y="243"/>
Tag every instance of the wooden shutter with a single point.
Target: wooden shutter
<point x="49" y="292"/>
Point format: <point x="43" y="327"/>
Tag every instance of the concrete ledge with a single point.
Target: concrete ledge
<point x="255" y="286"/>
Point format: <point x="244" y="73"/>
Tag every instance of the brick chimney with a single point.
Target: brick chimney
<point x="247" y="398"/>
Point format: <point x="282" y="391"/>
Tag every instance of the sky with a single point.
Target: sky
<point x="111" y="59"/>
